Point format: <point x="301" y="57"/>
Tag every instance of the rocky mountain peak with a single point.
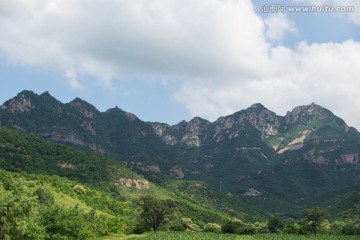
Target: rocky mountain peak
<point x="27" y="93"/>
<point x="306" y="112"/>
<point x="261" y="118"/>
<point x="198" y="123"/>
<point x="196" y="126"/>
<point x="257" y="106"/>
<point x="86" y="109"/>
<point x="21" y="103"/>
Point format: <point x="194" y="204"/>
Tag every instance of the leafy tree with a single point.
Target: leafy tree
<point x="154" y="211"/>
<point x="18" y="214"/>
<point x="291" y="227"/>
<point x="314" y="217"/>
<point x="65" y="223"/>
<point x="275" y="224"/>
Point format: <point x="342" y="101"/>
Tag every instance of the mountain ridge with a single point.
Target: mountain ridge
<point x="307" y="148"/>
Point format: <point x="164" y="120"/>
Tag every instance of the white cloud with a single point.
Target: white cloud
<point x="117" y="38"/>
<point x="324" y="73"/>
<point x="219" y="50"/>
<point x="278" y="25"/>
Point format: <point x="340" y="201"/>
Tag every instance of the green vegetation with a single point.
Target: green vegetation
<point x="48" y="207"/>
<point x="214" y="236"/>
<point x="21" y="152"/>
<point x="314" y="216"/>
<point x="233" y="154"/>
<point x="51" y="191"/>
<point x="155" y="211"/>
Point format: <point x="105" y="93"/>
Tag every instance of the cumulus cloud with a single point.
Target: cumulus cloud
<point x="221" y="52"/>
<point x="278" y="25"/>
<point x="324" y="73"/>
<point x="120" y="38"/>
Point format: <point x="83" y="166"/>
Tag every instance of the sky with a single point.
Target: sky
<point x="172" y="60"/>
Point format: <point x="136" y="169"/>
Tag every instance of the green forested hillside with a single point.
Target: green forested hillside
<point x="35" y="206"/>
<point x="23" y="152"/>
<point x="90" y="182"/>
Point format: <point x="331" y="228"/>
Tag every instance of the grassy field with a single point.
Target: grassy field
<point x="209" y="236"/>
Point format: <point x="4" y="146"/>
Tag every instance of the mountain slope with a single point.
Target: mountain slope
<point x="279" y="163"/>
<point x="23" y="153"/>
<point x="310" y="156"/>
<point x="115" y="133"/>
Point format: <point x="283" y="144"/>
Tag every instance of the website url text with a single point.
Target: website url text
<point x="282" y="8"/>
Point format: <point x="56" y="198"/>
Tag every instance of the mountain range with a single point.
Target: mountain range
<point x="278" y="164"/>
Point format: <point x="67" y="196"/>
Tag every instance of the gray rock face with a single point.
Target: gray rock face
<point x="21" y="104"/>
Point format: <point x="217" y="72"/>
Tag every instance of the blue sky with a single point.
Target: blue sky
<point x="169" y="61"/>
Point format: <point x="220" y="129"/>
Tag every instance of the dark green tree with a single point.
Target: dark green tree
<point x="314" y="217"/>
<point x="275" y="224"/>
<point x="154" y="211"/>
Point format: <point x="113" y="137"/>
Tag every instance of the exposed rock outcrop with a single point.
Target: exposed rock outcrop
<point x="86" y="109"/>
<point x="128" y="182"/>
<point x="66" y="165"/>
<point x="348" y="159"/>
<point x="21" y="104"/>
<point x="296" y="144"/>
<point x="312" y="157"/>
<point x="252" y="192"/>
<point x="65" y="137"/>
<point x="177" y="172"/>
<point x="153" y="168"/>
<point x="88" y="126"/>
<point x="97" y="148"/>
<point x="130" y="116"/>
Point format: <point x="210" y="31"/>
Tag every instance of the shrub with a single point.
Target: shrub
<point x="246" y="230"/>
<point x="186" y="222"/>
<point x="65" y="223"/>
<point x="253" y="228"/>
<point x="232" y="226"/>
<point x="105" y="225"/>
<point x="44" y="196"/>
<point x="79" y="189"/>
<point x="324" y="226"/>
<point x="212" y="227"/>
<point x="18" y="215"/>
<point x="177" y="227"/>
<point x="140" y="228"/>
<point x="189" y="225"/>
<point x="352" y="228"/>
<point x="291" y="227"/>
<point x="337" y="227"/>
